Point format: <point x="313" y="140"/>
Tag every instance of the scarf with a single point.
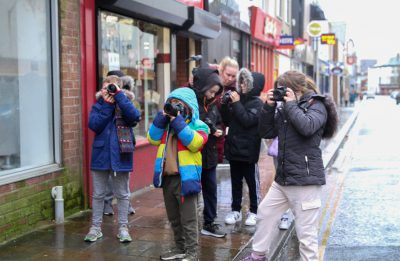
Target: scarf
<point x="126" y="144"/>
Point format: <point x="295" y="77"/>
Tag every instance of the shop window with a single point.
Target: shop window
<point x="28" y="104"/>
<point x="133" y="47"/>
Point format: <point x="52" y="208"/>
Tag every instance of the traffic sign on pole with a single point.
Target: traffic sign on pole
<point x="314" y="29"/>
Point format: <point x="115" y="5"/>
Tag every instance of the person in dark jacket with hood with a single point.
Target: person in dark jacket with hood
<point x="303" y="119"/>
<point x="207" y="86"/>
<point x="242" y="147"/>
<point x="111" y="118"/>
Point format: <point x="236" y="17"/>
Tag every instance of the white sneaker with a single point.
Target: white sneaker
<point x="251" y="219"/>
<point x="233" y="217"/>
<point x="285" y="223"/>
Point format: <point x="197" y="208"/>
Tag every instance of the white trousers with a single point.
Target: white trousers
<point x="304" y="201"/>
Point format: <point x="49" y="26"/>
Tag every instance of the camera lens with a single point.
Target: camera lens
<point x="111" y="88"/>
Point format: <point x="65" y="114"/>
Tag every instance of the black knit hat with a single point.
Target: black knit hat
<point x="116" y="73"/>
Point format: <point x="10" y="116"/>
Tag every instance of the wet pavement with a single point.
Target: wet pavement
<point x="149" y="228"/>
<point x="365" y="221"/>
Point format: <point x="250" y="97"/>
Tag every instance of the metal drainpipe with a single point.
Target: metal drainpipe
<point x="57" y="194"/>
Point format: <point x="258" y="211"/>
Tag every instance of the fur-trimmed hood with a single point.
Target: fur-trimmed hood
<point x="129" y="94"/>
<point x="255" y="82"/>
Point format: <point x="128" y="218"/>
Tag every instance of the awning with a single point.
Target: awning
<point x="202" y="23"/>
<point x="170" y="13"/>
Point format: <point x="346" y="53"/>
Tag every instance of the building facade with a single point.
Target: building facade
<point x="54" y="55"/>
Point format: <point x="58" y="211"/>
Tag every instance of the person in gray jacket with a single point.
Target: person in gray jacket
<point x="304" y="118"/>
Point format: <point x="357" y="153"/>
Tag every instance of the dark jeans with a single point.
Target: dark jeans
<point x="248" y="171"/>
<point x="209" y="189"/>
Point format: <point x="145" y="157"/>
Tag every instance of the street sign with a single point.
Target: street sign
<point x="328" y="39"/>
<point x="314" y="29"/>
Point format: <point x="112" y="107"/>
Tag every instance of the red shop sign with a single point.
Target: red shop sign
<point x="265" y="27"/>
<point x="196" y="3"/>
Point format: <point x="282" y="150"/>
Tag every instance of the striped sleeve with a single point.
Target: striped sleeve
<point x="154" y="135"/>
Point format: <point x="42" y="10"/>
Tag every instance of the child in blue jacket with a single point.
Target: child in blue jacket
<point x="111" y="118"/>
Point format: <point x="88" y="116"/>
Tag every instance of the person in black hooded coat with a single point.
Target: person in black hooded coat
<point x="207" y="86"/>
<point x="242" y="146"/>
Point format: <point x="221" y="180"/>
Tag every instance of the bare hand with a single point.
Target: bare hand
<point x="106" y="96"/>
<point x="264" y="97"/>
<point x="235" y="97"/>
<point x="269" y="98"/>
<point x="218" y="133"/>
<point x="290" y="96"/>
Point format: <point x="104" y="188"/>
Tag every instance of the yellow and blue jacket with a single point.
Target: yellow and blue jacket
<point x="192" y="135"/>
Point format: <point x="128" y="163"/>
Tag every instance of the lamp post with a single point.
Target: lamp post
<point x="351" y="60"/>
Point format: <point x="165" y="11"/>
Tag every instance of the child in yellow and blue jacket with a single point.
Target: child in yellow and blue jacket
<point x="180" y="135"/>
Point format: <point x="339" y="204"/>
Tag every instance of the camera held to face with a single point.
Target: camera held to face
<point x="111" y="88"/>
<point x="279" y="93"/>
<point x="226" y="98"/>
<point x="173" y="109"/>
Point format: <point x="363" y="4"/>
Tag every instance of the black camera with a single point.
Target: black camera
<point x="279" y="93"/>
<point x="173" y="109"/>
<point x="111" y="88"/>
<point x="210" y="124"/>
<point x="226" y="98"/>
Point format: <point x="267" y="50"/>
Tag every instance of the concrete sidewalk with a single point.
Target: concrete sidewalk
<point x="149" y="227"/>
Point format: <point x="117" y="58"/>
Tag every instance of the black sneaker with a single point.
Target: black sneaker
<point x="213" y="230"/>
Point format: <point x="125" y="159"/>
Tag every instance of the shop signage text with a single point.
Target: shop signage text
<point x="328" y="39"/>
<point x="264" y="27"/>
<point x="286" y="42"/>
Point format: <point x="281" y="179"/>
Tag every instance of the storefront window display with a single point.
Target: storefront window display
<point x="27" y="128"/>
<point x="132" y="46"/>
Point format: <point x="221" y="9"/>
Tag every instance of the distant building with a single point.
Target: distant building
<point x="367" y="63"/>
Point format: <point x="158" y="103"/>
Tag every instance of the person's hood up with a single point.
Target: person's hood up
<point x="204" y="79"/>
<point x="255" y="82"/>
<point x="188" y="96"/>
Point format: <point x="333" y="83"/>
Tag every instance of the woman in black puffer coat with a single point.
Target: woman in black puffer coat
<point x="242" y="146"/>
<point x="207" y="86"/>
<point x="303" y="119"/>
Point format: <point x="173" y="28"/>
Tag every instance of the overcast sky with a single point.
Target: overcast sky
<point x="374" y="26"/>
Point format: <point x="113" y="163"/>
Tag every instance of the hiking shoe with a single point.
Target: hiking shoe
<point x="123" y="234"/>
<point x="94" y="234"/>
<point x="233" y="217"/>
<point x="213" y="230"/>
<point x="108" y="210"/>
<point x="285" y="223"/>
<point x="131" y="210"/>
<point x="251" y="219"/>
<point x="173" y="254"/>
<point x="251" y="258"/>
<point x="190" y="257"/>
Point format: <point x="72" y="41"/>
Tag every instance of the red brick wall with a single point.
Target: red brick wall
<point x="70" y="85"/>
<point x="27" y="204"/>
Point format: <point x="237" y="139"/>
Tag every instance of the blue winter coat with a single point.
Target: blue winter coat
<point x="105" y="149"/>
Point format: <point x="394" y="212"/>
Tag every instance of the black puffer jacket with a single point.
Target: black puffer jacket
<point x="243" y="142"/>
<point x="299" y="126"/>
<point x="203" y="80"/>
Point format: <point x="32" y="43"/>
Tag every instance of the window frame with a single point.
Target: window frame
<point x="11" y="176"/>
